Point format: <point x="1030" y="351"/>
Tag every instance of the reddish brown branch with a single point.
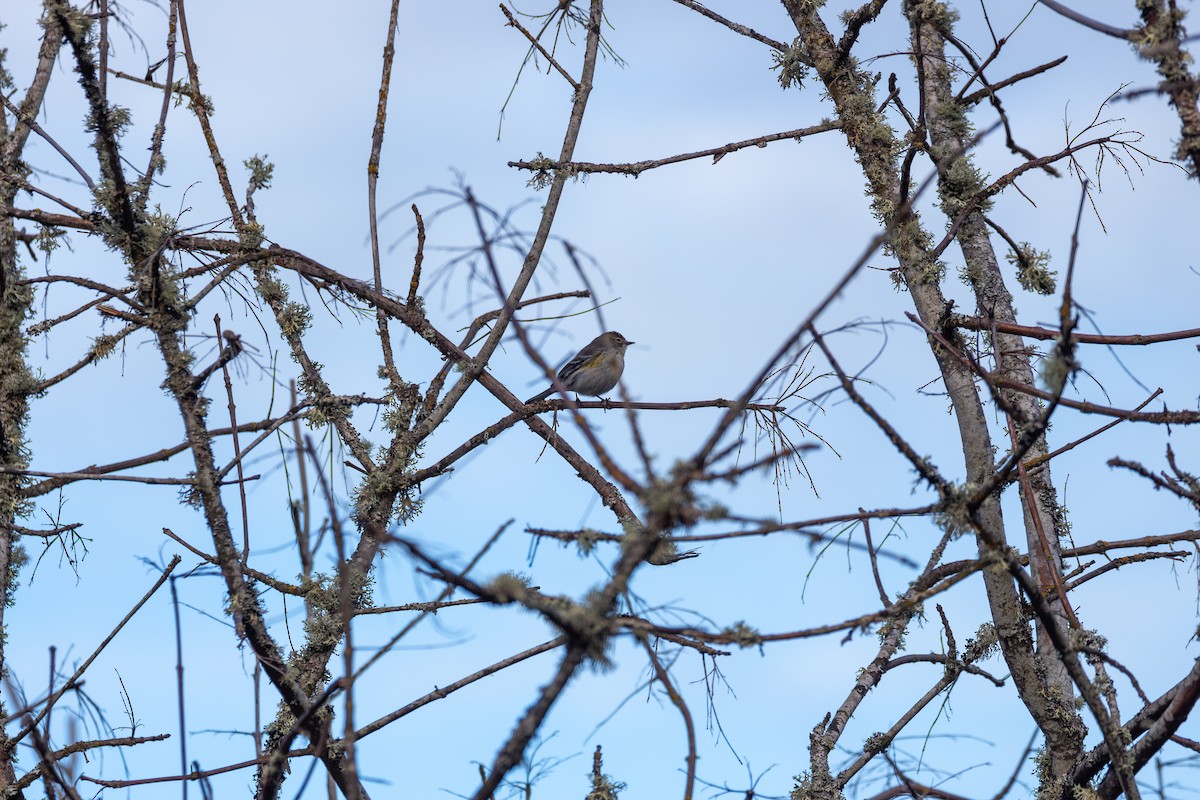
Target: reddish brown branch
<point x="1033" y="332"/>
<point x="979" y="94"/>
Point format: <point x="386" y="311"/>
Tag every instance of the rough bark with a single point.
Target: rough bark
<point x="949" y="139"/>
<point x="875" y="146"/>
<point x="17" y="381"/>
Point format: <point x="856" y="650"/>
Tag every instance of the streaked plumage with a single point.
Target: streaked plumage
<point x="595" y="369"/>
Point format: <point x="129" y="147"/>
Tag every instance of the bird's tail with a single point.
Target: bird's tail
<point x="541" y="396"/>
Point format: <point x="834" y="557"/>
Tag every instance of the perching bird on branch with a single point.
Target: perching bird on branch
<point x="595" y="369"/>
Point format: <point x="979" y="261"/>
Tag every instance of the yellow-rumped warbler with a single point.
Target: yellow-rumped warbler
<point x="595" y="369"/>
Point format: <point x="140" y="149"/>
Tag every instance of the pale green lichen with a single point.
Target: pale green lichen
<point x="103" y="346"/>
<point x="586" y="540"/>
<point x="605" y="788"/>
<point x="294" y="319"/>
<point x="1056" y="370"/>
<point x="261" y="172"/>
<point x="816" y="787"/>
<point x="49" y="238"/>
<point x="983" y="645"/>
<point x="955" y="516"/>
<point x="958" y="185"/>
<point x="941" y="15"/>
<point x="545" y="170"/>
<point x="875" y="743"/>
<point x="742" y="635"/>
<point x="509" y="587"/>
<point x="589" y="622"/>
<point x="251" y="235"/>
<point x="791" y="66"/>
<point x="1033" y="269"/>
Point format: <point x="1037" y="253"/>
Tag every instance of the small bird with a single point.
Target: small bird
<point x="595" y="369"/>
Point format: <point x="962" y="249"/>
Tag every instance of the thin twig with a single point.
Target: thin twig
<point x="74" y="679"/>
<point x="533" y="41"/>
<point x="635" y="168"/>
<point x="1096" y="25"/>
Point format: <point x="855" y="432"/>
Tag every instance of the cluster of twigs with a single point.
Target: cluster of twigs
<point x="654" y="512"/>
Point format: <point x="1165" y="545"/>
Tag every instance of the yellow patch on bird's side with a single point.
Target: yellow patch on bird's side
<point x="593" y="362"/>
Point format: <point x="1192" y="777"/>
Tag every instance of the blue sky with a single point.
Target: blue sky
<point x="710" y="266"/>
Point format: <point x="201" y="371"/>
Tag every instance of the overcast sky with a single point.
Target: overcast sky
<point x="708" y="268"/>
